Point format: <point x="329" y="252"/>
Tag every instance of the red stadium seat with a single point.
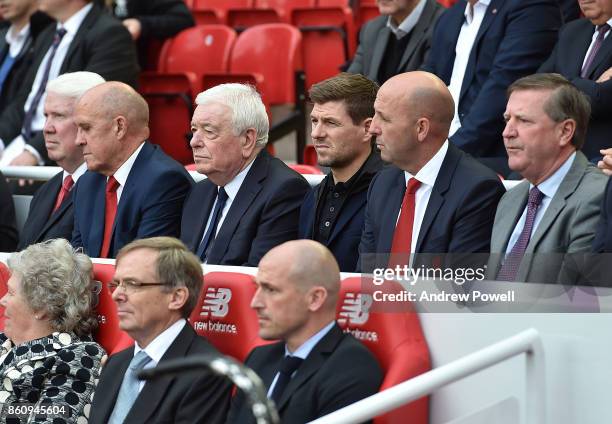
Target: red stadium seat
<point x="330" y="30"/>
<point x="365" y="13"/>
<point x="305" y="169"/>
<point x="4" y="277"/>
<point x="108" y="334"/>
<point x="265" y="12"/>
<point x="394" y="336"/>
<point x="310" y="155"/>
<point x="206" y="17"/>
<point x="223" y="314"/>
<point x="210" y="44"/>
<point x="170" y="109"/>
<point x="220" y="7"/>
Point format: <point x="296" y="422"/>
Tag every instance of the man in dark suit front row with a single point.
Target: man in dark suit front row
<point x="156" y="285"/>
<point x="436" y="198"/>
<point x="51" y="213"/>
<point x="250" y="201"/>
<point x="316" y="368"/>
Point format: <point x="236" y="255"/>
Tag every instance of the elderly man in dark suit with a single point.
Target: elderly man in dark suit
<point x="583" y="55"/>
<point x="479" y="48"/>
<point x="398" y="40"/>
<point x="435" y="198"/>
<point x="156" y="285"/>
<point x="132" y="189"/>
<point x="250" y="201"/>
<point x="333" y="211"/>
<point x="51" y="212"/>
<point x="316" y="368"/>
<point x="84" y="39"/>
<point x="555" y="211"/>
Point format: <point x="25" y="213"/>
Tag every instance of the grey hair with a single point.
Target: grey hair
<point x="248" y="111"/>
<point x="74" y="84"/>
<point x="57" y="279"/>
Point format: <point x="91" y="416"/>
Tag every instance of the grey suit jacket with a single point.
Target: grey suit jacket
<point x="567" y="227"/>
<point x="375" y="35"/>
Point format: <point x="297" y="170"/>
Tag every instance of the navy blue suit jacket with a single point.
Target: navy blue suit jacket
<point x="151" y="203"/>
<point x="263" y="215"/>
<point x="339" y="371"/>
<point x="344" y="237"/>
<point x="515" y="37"/>
<point x="459" y="215"/>
<point x="44" y="224"/>
<point x="566" y="59"/>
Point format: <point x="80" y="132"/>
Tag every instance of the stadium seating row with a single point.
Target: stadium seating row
<point x="223" y="315"/>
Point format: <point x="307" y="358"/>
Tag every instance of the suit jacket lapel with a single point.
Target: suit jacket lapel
<point x="58" y="214"/>
<point x="579" y="44"/>
<point x="44" y="207"/>
<point x="417" y="33"/>
<point x="113" y="380"/>
<point x="511" y="215"/>
<point x="391" y="211"/>
<point x="379" y="50"/>
<point x="349" y="209"/>
<point x="317" y="201"/>
<point x="153" y="394"/>
<point x="89" y="20"/>
<point x="312" y="363"/>
<point x="491" y="13"/>
<point x="97" y="231"/>
<point x="604" y="53"/>
<point x="566" y="189"/>
<point x="249" y="189"/>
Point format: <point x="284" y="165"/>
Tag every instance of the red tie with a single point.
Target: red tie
<point x="402" y="237"/>
<point x="110" y="210"/>
<point x="63" y="193"/>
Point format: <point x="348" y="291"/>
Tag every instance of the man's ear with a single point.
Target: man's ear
<point x="249" y="142"/>
<point x="422" y="128"/>
<point x="120" y="126"/>
<point x="367" y="137"/>
<point x="566" y="130"/>
<point x="317" y="296"/>
<point x="178" y="298"/>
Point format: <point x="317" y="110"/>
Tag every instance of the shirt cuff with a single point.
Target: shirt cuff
<point x="32" y="150"/>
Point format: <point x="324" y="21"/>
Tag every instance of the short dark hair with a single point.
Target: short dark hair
<point x="565" y="101"/>
<point x="356" y="91"/>
<point x="176" y="266"/>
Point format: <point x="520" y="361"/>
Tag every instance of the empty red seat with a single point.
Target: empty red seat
<point x="305" y="169"/>
<point x="220" y="7"/>
<point x="206" y="17"/>
<point x="197" y="51"/>
<point x="170" y="109"/>
<point x="4" y="277"/>
<point x="394" y="336"/>
<point x="365" y="13"/>
<point x="108" y="334"/>
<point x="310" y="155"/>
<point x="223" y="314"/>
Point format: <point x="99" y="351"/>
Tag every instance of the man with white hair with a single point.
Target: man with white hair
<point x="51" y="211"/>
<point x="250" y="201"/>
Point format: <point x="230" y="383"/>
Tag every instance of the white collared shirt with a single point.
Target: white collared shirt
<point x="548" y="188"/>
<point x="427" y="175"/>
<point x="463" y="49"/>
<point x="231" y="189"/>
<point x="408" y="23"/>
<point x="595" y="34"/>
<point x="160" y="344"/>
<point x="304" y="350"/>
<point x="71" y="26"/>
<point x="122" y="174"/>
<point x="77" y="173"/>
<point x="16" y="41"/>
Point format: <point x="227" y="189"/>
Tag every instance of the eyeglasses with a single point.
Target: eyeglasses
<point x="131" y="285"/>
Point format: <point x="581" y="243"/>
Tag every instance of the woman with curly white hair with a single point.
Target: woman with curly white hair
<point x="49" y="362"/>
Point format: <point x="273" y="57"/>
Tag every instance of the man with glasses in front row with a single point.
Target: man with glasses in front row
<point x="155" y="287"/>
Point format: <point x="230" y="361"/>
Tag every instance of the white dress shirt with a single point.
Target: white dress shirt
<point x="595" y="34"/>
<point x="160" y="344"/>
<point x="427" y="176"/>
<point x="77" y="173"/>
<point x="122" y="174"/>
<point x="463" y="49"/>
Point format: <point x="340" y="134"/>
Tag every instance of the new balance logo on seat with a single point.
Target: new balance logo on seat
<point x="355" y="309"/>
<point x="216" y="302"/>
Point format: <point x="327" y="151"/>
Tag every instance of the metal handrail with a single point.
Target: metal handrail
<point x="528" y="342"/>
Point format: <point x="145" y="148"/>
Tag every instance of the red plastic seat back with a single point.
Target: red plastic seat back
<point x="170" y="108"/>
<point x="223" y="314"/>
<point x="108" y="334"/>
<point x="201" y="49"/>
<point x="305" y="169"/>
<point x="275" y="52"/>
<point x="394" y="336"/>
<point x="5" y="274"/>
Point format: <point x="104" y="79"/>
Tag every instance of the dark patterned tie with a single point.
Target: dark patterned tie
<point x="510" y="267"/>
<point x="202" y="251"/>
<point x="26" y="130"/>
<point x="287" y="368"/>
<point x="586" y="68"/>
